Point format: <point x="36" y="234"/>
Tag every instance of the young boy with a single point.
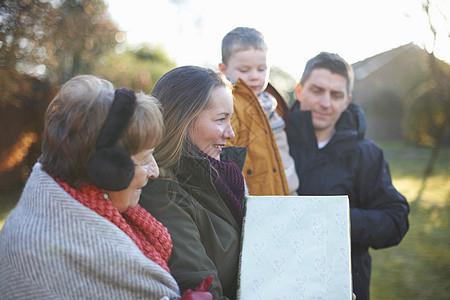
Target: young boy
<point x="259" y="115"/>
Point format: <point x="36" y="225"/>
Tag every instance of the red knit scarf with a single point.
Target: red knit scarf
<point x="149" y="234"/>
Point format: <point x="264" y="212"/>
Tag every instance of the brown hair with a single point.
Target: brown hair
<point x="332" y="62"/>
<point x="73" y="121"/>
<point x="184" y="93"/>
<point x="239" y="39"/>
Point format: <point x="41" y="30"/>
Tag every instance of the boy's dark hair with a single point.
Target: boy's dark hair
<point x="332" y="62"/>
<point x="241" y="38"/>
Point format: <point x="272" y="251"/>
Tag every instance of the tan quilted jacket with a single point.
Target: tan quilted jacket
<point x="263" y="168"/>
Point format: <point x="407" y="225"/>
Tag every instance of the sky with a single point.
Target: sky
<point x="191" y="31"/>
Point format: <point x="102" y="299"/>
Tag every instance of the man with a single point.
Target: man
<point x="332" y="157"/>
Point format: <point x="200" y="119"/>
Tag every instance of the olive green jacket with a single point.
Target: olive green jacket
<point x="205" y="235"/>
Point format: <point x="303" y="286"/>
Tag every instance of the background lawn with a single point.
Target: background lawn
<point x="418" y="268"/>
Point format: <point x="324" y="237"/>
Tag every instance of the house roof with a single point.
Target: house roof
<point x="364" y="68"/>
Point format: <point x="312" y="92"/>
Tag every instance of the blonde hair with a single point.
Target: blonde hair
<point x="73" y="121"/>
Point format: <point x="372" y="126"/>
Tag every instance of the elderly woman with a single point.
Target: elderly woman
<point x="200" y="194"/>
<point x="77" y="231"/>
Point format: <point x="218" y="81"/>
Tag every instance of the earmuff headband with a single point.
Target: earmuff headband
<point x="110" y="167"/>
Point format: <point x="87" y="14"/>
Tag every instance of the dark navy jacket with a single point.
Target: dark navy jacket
<point x="351" y="165"/>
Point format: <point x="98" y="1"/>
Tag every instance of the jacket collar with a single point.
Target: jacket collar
<point x="236" y="154"/>
<point x="282" y="105"/>
<point x="352" y="119"/>
<point x="351" y="125"/>
<point x="190" y="164"/>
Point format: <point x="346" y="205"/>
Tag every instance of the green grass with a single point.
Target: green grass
<point x="418" y="268"/>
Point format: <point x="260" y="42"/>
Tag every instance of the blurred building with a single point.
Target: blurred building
<point x="382" y="85"/>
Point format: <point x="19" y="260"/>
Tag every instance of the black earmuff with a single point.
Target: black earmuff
<point x="111" y="168"/>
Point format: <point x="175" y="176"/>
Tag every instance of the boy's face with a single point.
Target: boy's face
<point x="250" y="65"/>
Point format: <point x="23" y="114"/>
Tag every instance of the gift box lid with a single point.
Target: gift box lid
<point x="295" y="247"/>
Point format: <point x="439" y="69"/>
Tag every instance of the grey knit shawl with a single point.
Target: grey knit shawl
<point x="53" y="247"/>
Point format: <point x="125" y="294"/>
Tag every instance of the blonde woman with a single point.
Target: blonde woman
<point x="199" y="197"/>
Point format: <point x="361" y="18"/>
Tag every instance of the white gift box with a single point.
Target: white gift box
<point x="296" y="247"/>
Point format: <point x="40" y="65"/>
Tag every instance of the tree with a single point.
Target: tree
<point x="21" y="40"/>
<point x="21" y="123"/>
<point x="137" y="68"/>
<point x="43" y="43"/>
<point x="54" y="40"/>
<point x="82" y="34"/>
<point x="22" y="33"/>
<point x="428" y="118"/>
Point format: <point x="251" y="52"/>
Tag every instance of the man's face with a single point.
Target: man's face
<point x="325" y="94"/>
